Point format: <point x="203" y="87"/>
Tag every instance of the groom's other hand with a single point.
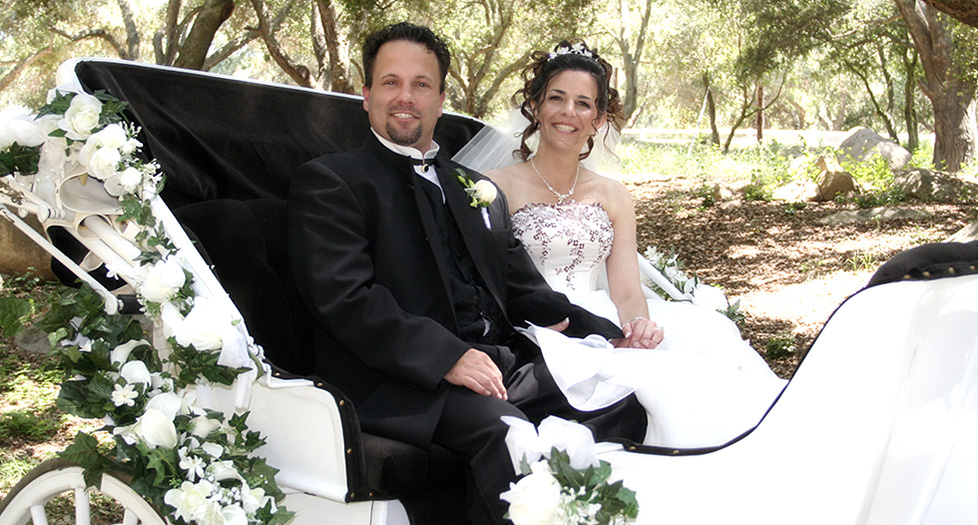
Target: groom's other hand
<point x="476" y="371"/>
<point x="640" y="333"/>
<point x="561" y="326"/>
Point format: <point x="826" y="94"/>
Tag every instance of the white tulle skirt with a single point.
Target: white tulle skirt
<point x="703" y="386"/>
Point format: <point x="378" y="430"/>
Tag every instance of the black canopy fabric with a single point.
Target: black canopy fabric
<point x="217" y="136"/>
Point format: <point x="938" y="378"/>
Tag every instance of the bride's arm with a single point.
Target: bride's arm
<point x="622" y="266"/>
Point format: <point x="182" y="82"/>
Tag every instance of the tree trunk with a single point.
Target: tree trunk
<point x="298" y="72"/>
<point x="193" y="52"/>
<point x="15" y="71"/>
<point x="711" y="110"/>
<point x="963" y="10"/>
<point x="950" y="87"/>
<point x="132" y="33"/>
<point x="909" y="104"/>
<point x="631" y="59"/>
<point x="759" y="120"/>
<point x="338" y="49"/>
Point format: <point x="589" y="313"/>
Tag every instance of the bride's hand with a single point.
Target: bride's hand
<point x="640" y="333"/>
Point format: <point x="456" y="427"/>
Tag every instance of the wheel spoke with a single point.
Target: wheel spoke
<point x="83" y="511"/>
<point x="38" y="516"/>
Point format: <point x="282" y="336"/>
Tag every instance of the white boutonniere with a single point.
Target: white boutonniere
<point x="481" y="194"/>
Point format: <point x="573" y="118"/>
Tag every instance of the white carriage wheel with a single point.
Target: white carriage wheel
<point x="25" y="503"/>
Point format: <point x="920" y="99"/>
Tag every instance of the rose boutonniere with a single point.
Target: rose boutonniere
<point x="481" y="194"/>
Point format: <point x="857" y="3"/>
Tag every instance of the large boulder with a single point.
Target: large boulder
<point x="935" y="186"/>
<point x="862" y="144"/>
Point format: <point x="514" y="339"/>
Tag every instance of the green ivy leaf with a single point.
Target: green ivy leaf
<point x="84" y="451"/>
<point x="13" y="313"/>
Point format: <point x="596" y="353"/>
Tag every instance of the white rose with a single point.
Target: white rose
<point x="104" y="163"/>
<point x="163" y="280"/>
<point x="156" y="429"/>
<point x="203" y="426"/>
<point x="709" y="297"/>
<point x="81" y="117"/>
<point x="189" y="499"/>
<point x="534" y="499"/>
<point x="130" y="179"/>
<point x="136" y="372"/>
<point x="17" y="125"/>
<point x="573" y="438"/>
<point x="233" y="515"/>
<point x="112" y="136"/>
<point x="204" y="327"/>
<point x="485" y="192"/>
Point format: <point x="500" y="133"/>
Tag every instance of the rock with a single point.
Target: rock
<point x="833" y="180"/>
<point x="967" y="234"/>
<point x="873" y="214"/>
<point x="33" y="339"/>
<point x="731" y="205"/>
<point x="863" y="144"/>
<point x="934" y="186"/>
<point x="797" y="191"/>
<point x="18" y="253"/>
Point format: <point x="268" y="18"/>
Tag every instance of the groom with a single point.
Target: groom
<point x="415" y="290"/>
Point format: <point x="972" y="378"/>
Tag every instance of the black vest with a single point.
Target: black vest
<point x="479" y="318"/>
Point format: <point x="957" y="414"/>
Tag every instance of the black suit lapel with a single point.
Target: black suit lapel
<point x="477" y="237"/>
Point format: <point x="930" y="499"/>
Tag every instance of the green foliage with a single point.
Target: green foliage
<point x="26" y="424"/>
<point x="14" y="312"/>
<point x="780" y="346"/>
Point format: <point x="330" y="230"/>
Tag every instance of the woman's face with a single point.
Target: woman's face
<point x="568" y="110"/>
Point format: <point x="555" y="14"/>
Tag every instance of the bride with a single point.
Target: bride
<point x="700" y="383"/>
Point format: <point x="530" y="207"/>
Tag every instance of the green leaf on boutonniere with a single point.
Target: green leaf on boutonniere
<point x="481" y="194"/>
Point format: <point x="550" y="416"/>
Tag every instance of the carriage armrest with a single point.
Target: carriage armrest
<point x="304" y="429"/>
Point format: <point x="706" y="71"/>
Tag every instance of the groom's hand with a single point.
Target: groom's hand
<point x="476" y="371"/>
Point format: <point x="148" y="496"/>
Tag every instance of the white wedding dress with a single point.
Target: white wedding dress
<point x="703" y="386"/>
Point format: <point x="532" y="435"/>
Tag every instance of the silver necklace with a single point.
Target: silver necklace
<point x="561" y="197"/>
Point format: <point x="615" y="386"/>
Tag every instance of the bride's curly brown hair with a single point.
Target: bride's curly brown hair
<point x="544" y="66"/>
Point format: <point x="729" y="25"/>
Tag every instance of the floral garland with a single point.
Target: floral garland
<point x="564" y="482"/>
<point x="195" y="465"/>
<point x="691" y="287"/>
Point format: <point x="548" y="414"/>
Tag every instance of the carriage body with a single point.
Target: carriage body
<point x="879" y="424"/>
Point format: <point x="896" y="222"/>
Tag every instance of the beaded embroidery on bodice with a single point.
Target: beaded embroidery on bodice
<point x="568" y="242"/>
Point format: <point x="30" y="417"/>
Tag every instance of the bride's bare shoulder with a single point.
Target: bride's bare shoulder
<point x="503" y="177"/>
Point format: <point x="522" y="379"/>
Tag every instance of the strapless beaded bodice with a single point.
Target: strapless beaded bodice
<point x="568" y="242"/>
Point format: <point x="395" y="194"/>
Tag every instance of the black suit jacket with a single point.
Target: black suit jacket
<point x="364" y="252"/>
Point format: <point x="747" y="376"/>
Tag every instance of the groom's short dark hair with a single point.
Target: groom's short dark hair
<point x="412" y="33"/>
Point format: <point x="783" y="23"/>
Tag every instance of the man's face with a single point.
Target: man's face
<point x="405" y="102"/>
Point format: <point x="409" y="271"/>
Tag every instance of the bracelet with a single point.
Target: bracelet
<point x="636" y="318"/>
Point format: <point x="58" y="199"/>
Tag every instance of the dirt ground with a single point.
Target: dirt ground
<point x="789" y="270"/>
